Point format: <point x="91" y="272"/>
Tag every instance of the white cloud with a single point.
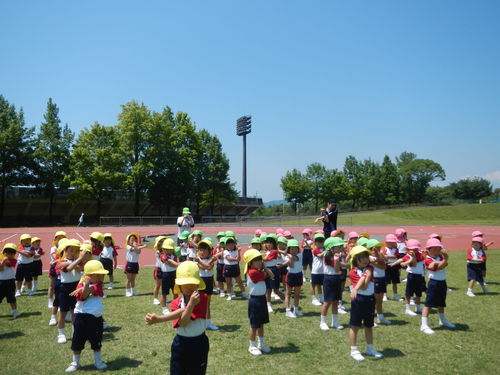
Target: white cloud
<point x="493" y="176"/>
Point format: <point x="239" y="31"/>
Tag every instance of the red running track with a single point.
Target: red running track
<point x="454" y="237"/>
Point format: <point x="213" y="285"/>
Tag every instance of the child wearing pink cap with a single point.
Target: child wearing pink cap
<point x="476" y="257"/>
<point x="352" y="239"/>
<point x="484" y="247"/>
<point x="306" y="249"/>
<point x="392" y="273"/>
<point x="435" y="263"/>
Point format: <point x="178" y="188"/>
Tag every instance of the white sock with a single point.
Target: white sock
<point x="442" y="319"/>
<point x="380" y="316"/>
<point x="296" y="308"/>
<point x="35" y="283"/>
<point x="61" y="331"/>
<point x="269" y="304"/>
<point x="425" y="321"/>
<point x="418" y="307"/>
<point x="323" y="318"/>
<point x="53" y="316"/>
<point x="97" y="356"/>
<point x="76" y="358"/>
<point x="14" y="311"/>
<point x="369" y="347"/>
<point x="354" y="349"/>
<point x="288" y="309"/>
<point x="469" y="289"/>
<point x="334" y="320"/>
<point x="127" y="291"/>
<point x="261" y="340"/>
<point x="252" y="344"/>
<point x="209" y="322"/>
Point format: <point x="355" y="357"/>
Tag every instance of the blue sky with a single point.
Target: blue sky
<point x="322" y="79"/>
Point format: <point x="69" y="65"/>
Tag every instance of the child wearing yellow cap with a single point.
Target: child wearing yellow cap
<point x="52" y="269"/>
<point x="24" y="272"/>
<point x="8" y="276"/>
<point x="88" y="322"/>
<point x="133" y="249"/>
<point x="189" y="350"/>
<point x="206" y="263"/>
<point x="37" y="266"/>
<point x="108" y="257"/>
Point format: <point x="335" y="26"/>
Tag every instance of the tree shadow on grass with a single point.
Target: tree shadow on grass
<point x="229" y="328"/>
<point x="289" y="348"/>
<point x="392" y="353"/>
<point x="11" y="335"/>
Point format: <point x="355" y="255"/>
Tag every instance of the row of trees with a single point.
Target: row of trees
<point x="160" y="154"/>
<point x="366" y="183"/>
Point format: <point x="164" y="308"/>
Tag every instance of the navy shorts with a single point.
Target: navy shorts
<point x="87" y="327"/>
<point x="475" y="272"/>
<point x="415" y="284"/>
<point x="273" y="283"/>
<point x="294" y="279"/>
<point x="257" y="311"/>
<point x="24" y="272"/>
<point x="332" y="288"/>
<point x="362" y="311"/>
<point x="8" y="290"/>
<point x="231" y="270"/>
<point x="380" y="284"/>
<point x="220" y="273"/>
<point x="343" y="274"/>
<point x="317" y="278"/>
<point x="36" y="268"/>
<point x="483" y="266"/>
<point x="307" y="258"/>
<point x="209" y="285"/>
<point x="131" y="267"/>
<point x="66" y="302"/>
<point x="108" y="265"/>
<point x="392" y="275"/>
<point x="189" y="355"/>
<point x="436" y="293"/>
<point x="167" y="282"/>
<point x="57" y="287"/>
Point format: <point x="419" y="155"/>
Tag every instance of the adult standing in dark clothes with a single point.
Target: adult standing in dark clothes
<point x="329" y="217"/>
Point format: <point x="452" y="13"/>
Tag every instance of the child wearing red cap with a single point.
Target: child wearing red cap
<point x="435" y="263"/>
<point x="476" y="257"/>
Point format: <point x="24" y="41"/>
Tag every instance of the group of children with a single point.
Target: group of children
<point x="187" y="269"/>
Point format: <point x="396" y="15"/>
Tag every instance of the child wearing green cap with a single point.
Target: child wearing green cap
<point x="219" y="276"/>
<point x="294" y="278"/>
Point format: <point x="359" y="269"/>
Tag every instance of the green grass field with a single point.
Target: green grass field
<point x="28" y="345"/>
<point x="484" y="214"/>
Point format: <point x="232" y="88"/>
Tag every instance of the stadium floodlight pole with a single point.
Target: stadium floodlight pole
<point x="244" y="127"/>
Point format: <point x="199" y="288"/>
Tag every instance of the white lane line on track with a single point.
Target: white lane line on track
<point x="6" y="238"/>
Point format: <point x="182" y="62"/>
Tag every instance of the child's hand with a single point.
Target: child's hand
<point x="151" y="318"/>
<point x="354" y="294"/>
<point x="76" y="291"/>
<point x="194" y="299"/>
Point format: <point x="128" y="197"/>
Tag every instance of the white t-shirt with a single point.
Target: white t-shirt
<point x="232" y="254"/>
<point x="390" y="251"/>
<point x="21" y="259"/>
<point x="297" y="265"/>
<point x="317" y="266"/>
<point x="377" y="272"/>
<point x="438" y="274"/>
<point x="167" y="267"/>
<point x="131" y="256"/>
<point x="71" y="276"/>
<point x="52" y="254"/>
<point x="91" y="305"/>
<point x="8" y="273"/>
<point x="206" y="273"/>
<point x="184" y="224"/>
<point x="107" y="252"/>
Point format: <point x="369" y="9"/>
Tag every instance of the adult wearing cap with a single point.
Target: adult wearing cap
<point x="185" y="222"/>
<point x="329" y="217"/>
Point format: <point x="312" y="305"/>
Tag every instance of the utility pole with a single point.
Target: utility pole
<point x="244" y="127"/>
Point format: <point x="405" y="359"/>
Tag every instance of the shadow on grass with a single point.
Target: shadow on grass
<point x="11" y="335"/>
<point x="311" y="313"/>
<point x="392" y="353"/>
<point x="112" y="329"/>
<point x="289" y="348"/>
<point x="487" y="294"/>
<point x="116" y="364"/>
<point x="31" y="313"/>
<point x="229" y="328"/>
<point x="395" y="322"/>
<point x="458" y="327"/>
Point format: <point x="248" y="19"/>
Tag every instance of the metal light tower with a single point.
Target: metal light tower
<point x="244" y="127"/>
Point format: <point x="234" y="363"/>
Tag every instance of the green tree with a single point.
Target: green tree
<point x="296" y="187"/>
<point x="471" y="188"/>
<point x="390" y="182"/>
<point x="52" y="154"/>
<point x="97" y="164"/>
<point x="16" y="161"/>
<point x="417" y="176"/>
<point x="334" y="185"/>
<point x="133" y="133"/>
<point x="316" y="174"/>
<point x="355" y="180"/>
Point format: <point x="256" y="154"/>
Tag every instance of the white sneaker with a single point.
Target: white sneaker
<point x="338" y="326"/>
<point x="485" y="289"/>
<point x="404" y="281"/>
<point x="273" y="295"/>
<point x="165" y="311"/>
<point x="253" y="350"/>
<point x="384" y="321"/>
<point x="304" y="279"/>
<point x="270" y="309"/>
<point x="374" y="353"/>
<point x="233" y="295"/>
<point x="324" y="327"/>
<point x="264" y="348"/>
<point x="411" y="313"/>
<point x="212" y="327"/>
<point x="297" y="312"/>
<point x="290" y="314"/>
<point x="222" y="294"/>
<point x="15" y="314"/>
<point x="18" y="293"/>
<point x="73" y="366"/>
<point x="418" y="311"/>
<point x="61" y="339"/>
<point x="100" y="365"/>
<point x="244" y="295"/>
<point x="384" y="298"/>
<point x="315" y="301"/>
<point x="30" y="292"/>
<point x="447" y="324"/>
<point x="52" y="322"/>
<point x="396" y="297"/>
<point x="358" y="357"/>
<point x="276" y="297"/>
<point x="156" y="301"/>
<point x="412" y="301"/>
<point x="104" y="295"/>
<point x="128" y="293"/>
<point x="229" y="297"/>
<point x="427" y="330"/>
<point x="470" y="294"/>
<point x="135" y="294"/>
<point x="375" y="325"/>
<point x="341" y="311"/>
<point x="110" y="287"/>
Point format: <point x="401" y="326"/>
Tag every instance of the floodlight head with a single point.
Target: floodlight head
<point x="244" y="125"/>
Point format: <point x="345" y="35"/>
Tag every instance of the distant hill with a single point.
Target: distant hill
<point x="274" y="203"/>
